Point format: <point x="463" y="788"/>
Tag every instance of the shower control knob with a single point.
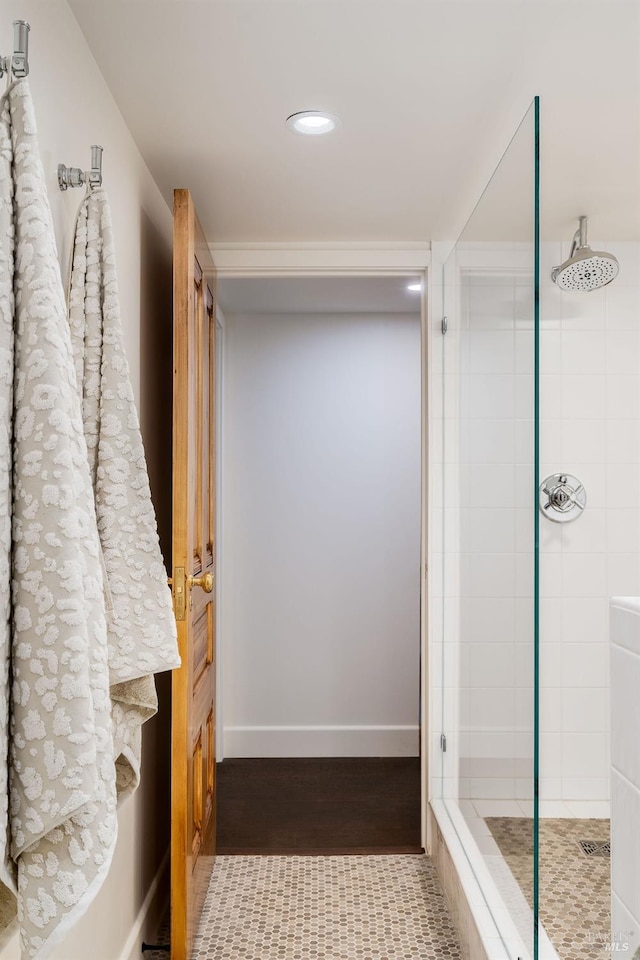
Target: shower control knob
<point x="562" y="498"/>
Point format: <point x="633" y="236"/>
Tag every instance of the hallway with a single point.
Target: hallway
<point x="336" y="805"/>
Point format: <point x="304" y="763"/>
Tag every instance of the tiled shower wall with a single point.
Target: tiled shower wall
<point x="590" y="427"/>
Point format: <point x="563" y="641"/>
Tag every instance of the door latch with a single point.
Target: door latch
<point x="179" y="593"/>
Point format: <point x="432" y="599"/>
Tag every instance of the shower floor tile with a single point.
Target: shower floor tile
<point x="574" y="889"/>
<point x="329" y="908"/>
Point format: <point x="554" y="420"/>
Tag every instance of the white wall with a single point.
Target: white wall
<point x="320" y="637"/>
<point x="75" y="109"/>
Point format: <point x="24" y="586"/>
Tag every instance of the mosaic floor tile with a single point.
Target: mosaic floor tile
<point x="325" y="908"/>
<point x="575" y="889"/>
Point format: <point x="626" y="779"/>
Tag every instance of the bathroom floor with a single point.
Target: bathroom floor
<point x="325" y="907"/>
<point x="574" y="887"/>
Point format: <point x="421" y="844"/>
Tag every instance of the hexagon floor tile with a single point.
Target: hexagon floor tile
<point x="325" y="908"/>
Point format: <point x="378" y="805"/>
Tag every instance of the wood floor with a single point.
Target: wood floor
<point x="346" y="805"/>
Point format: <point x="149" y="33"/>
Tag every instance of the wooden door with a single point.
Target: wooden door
<point x="193" y="799"/>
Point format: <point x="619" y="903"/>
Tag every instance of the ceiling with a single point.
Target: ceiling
<point x="428" y="91"/>
<point x="300" y="295"/>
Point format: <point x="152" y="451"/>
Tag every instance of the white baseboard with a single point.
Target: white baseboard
<point x="354" y="741"/>
<point x="150" y="914"/>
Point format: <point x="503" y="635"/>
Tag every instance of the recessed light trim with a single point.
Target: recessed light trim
<point x="312" y="123"/>
<point x="414" y="287"/>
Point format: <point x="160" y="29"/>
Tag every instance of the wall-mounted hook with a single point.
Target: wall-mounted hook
<point x="76" y="177"/>
<point x="20" y="59"/>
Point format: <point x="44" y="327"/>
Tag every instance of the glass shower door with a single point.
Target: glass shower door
<point x="489" y="638"/>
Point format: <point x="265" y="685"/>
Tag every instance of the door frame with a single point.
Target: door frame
<point x="278" y="260"/>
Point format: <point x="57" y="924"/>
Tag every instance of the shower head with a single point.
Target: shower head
<point x="586" y="269"/>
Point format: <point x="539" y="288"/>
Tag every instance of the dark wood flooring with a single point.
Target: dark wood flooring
<point x="344" y="805"/>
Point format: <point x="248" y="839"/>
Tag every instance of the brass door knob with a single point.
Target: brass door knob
<point x="205" y="581"/>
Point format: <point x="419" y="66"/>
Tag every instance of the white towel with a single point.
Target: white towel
<point x="62" y="814"/>
<point x="141" y="626"/>
<point x="69" y="647"/>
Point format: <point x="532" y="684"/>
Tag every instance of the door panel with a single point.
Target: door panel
<point x="193" y="686"/>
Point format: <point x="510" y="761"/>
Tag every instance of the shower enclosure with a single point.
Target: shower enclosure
<point x="534" y="524"/>
<point x="484" y="541"/>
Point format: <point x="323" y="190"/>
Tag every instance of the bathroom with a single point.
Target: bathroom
<point x="527" y="382"/>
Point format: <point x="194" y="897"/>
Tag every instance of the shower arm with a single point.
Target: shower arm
<point x="580" y="237"/>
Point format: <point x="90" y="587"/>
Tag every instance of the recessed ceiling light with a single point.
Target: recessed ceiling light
<point x="312" y="123"/>
<point x="415" y="287"/>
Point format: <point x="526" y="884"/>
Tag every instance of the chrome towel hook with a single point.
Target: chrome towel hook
<point x="20" y="59"/>
<point x="76" y="177"/>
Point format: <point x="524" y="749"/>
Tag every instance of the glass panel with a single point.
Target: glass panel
<point x="489" y="540"/>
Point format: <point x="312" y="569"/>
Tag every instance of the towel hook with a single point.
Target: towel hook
<point x="19" y="63"/>
<point x="75" y="177"/>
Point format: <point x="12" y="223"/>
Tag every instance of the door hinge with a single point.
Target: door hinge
<point x="444" y="325"/>
<point x="443" y="742"/>
<point x="179" y="593"/>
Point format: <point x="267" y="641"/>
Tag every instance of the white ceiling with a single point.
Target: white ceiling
<point x="300" y="295"/>
<point x="429" y="93"/>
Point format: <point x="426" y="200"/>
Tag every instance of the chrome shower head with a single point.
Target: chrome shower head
<point x="586" y="269"/>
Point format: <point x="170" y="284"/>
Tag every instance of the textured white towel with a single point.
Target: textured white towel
<point x="62" y="790"/>
<point x="141" y="626"/>
<point x="77" y="648"/>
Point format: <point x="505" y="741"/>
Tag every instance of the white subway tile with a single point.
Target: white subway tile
<point x="489" y="531"/>
<point x="550" y="756"/>
<point x="492" y="665"/>
<point x="550" y="665"/>
<point x="591" y="810"/>
<point x="583" y="441"/>
<point x="492" y="789"/>
<point x="623" y="575"/>
<point x="621" y="398"/>
<point x="623" y="441"/>
<point x="585" y="665"/>
<point x="585" y="789"/>
<point x="491" y="706"/>
<point x="583" y="351"/>
<point x="551" y="614"/>
<point x="491" y="575"/>
<point x="584" y="574"/>
<point x="623" y="482"/>
<point x="622" y="353"/>
<point x="623" y="306"/>
<point x="551" y="709"/>
<point x="584" y="755"/>
<point x="584" y="709"/>
<point x="524" y="353"/>
<point x="584" y="619"/>
<point x="550" y="352"/>
<point x="583" y="312"/>
<point x="551" y="444"/>
<point x="587" y="534"/>
<point x="554" y="809"/>
<point x="550" y="788"/>
<point x="623" y="530"/>
<point x="488" y="619"/>
<point x="492" y="441"/>
<point x="490" y="351"/>
<point x="490" y="484"/>
<point x="551" y="575"/>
